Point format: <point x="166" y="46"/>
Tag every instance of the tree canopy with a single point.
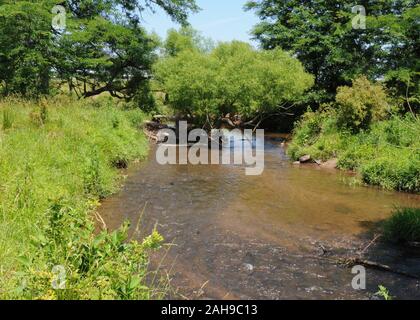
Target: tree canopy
<point x="321" y="35"/>
<point x="103" y="47"/>
<point x="186" y="38"/>
<point x="234" y="78"/>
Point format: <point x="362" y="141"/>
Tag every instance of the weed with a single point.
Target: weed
<point x="7" y="119"/>
<point x="403" y="226"/>
<point x="51" y="178"/>
<point x="384" y="293"/>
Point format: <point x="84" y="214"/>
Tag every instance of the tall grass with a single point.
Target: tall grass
<point x="403" y="226"/>
<point x="385" y="155"/>
<point x="56" y="161"/>
<point x="7" y="120"/>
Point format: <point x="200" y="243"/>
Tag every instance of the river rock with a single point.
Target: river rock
<point x="248" y="267"/>
<point x="305" y="159"/>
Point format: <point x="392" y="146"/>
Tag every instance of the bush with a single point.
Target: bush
<point x="403" y="226"/>
<point x="400" y="171"/>
<point x="316" y="134"/>
<point x="386" y="155"/>
<point x="361" y="105"/>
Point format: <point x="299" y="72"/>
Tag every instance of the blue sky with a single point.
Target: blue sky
<point x="221" y="20"/>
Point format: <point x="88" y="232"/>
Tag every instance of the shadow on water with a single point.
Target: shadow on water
<point x="262" y="237"/>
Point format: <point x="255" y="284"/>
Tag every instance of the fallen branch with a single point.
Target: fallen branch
<point x="375" y="265"/>
<point x="377" y="237"/>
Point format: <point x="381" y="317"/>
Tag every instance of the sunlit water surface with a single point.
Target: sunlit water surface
<point x="274" y="236"/>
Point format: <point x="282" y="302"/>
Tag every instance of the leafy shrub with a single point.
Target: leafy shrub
<point x="398" y="172"/>
<point x="386" y="155"/>
<point x="361" y="105"/>
<point x="403" y="226"/>
<point x="103" y="266"/>
<point x="316" y="134"/>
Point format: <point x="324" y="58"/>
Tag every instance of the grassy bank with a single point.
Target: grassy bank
<point x="58" y="158"/>
<point x="387" y="154"/>
<point x="403" y="226"/>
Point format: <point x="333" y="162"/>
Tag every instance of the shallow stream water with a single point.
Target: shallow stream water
<point x="274" y="236"/>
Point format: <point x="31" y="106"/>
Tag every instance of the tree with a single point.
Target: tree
<point x="102" y="49"/>
<point x="186" y="38"/>
<point x="101" y="56"/>
<point x="321" y="35"/>
<point x="107" y="50"/>
<point x="25" y="49"/>
<point x="232" y="79"/>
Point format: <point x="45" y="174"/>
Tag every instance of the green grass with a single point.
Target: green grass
<point x="386" y="155"/>
<point x="403" y="226"/>
<point x="58" y="158"/>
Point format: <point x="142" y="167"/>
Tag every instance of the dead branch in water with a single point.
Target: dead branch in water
<point x="377" y="237"/>
<point x="359" y="260"/>
<point x="375" y="265"/>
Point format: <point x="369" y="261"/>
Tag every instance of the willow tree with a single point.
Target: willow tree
<point x="233" y="79"/>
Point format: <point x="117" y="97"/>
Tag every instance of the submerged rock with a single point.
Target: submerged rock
<point x="248" y="267"/>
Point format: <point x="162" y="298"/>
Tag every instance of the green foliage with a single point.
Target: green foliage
<point x="52" y="177"/>
<point x="394" y="170"/>
<point x="361" y="105"/>
<point x="102" y="49"/>
<point x="144" y="98"/>
<point x="316" y="134"/>
<point x="384" y="293"/>
<point x="39" y="115"/>
<point x="185" y="39"/>
<point x="387" y="155"/>
<point x="7" y="122"/>
<point x="403" y="226"/>
<point x="405" y="84"/>
<point x="233" y="78"/>
<point x="321" y="35"/>
<point x="25" y="47"/>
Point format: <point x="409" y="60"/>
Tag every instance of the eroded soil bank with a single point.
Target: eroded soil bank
<point x="274" y="236"/>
